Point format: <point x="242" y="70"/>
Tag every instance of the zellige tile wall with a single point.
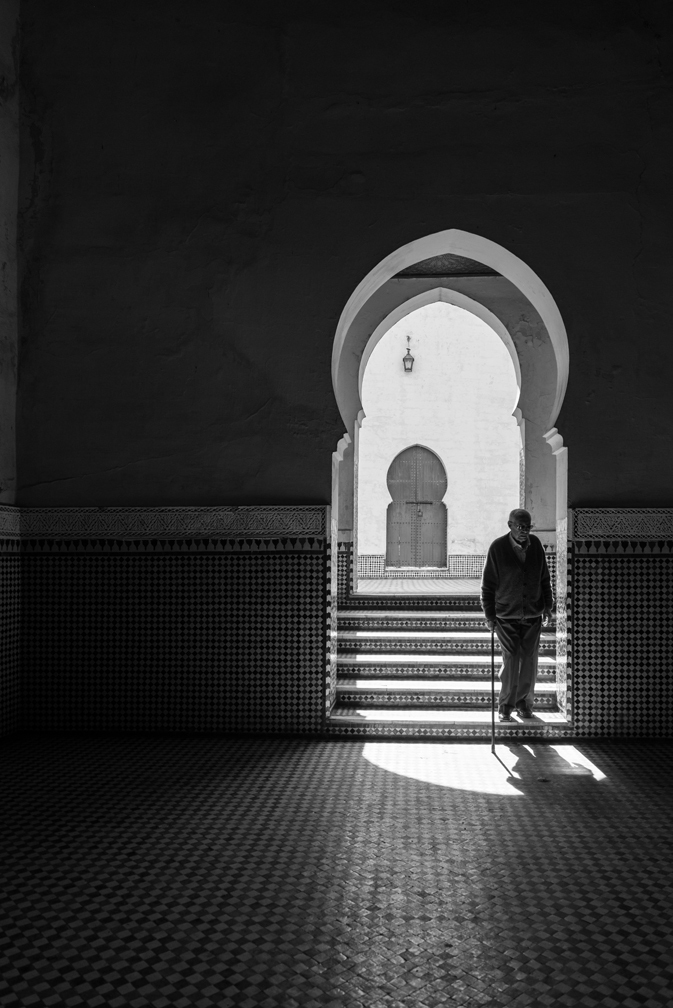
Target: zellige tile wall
<point x="185" y="619"/>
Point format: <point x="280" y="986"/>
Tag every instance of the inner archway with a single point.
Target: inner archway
<point x="456" y="395"/>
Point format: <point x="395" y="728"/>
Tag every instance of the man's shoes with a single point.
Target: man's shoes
<point x="505" y="717"/>
<point x="524" y="712"/>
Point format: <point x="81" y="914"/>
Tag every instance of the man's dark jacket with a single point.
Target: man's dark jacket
<point x="511" y="589"/>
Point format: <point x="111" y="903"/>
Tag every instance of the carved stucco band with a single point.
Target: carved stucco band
<point x="622" y="523"/>
<point x="270" y="522"/>
<point x="164" y="522"/>
<point x="10" y="522"/>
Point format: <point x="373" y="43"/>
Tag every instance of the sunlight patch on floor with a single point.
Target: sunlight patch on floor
<point x="465" y="767"/>
<point x="473" y="767"/>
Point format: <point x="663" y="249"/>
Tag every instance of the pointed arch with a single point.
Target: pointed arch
<point x="356" y="323"/>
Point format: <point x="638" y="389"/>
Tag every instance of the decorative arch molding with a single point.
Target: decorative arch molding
<point x="357" y="323"/>
<point x="447" y="296"/>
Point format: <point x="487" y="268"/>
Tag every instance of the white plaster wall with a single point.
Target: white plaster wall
<point x="458" y="401"/>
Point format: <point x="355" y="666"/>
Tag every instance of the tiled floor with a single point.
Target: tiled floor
<point x="210" y="872"/>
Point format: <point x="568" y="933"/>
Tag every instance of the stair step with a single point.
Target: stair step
<point x="412" y="626"/>
<point x="458" y="673"/>
<point x="449" y="660"/>
<point x="418" y="622"/>
<point x="426" y="643"/>
<point x="345" y="715"/>
<point x="470" y="635"/>
<point x="414" y="702"/>
<point x="399" y="617"/>
<point x="420" y="603"/>
<point x="363" y="695"/>
<point x="442" y="686"/>
<point x="402" y="614"/>
<point x="409" y="701"/>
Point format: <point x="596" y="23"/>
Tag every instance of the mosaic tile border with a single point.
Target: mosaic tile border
<point x="150" y="523"/>
<point x="623" y="547"/>
<point x="458" y="566"/>
<point x="71" y="547"/>
<point x="607" y="524"/>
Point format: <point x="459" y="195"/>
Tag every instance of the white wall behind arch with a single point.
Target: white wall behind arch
<point x="442" y="293"/>
<point x="457" y="401"/>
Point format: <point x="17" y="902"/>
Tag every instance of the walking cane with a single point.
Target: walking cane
<point x="493" y="691"/>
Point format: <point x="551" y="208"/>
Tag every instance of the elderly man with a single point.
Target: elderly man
<point x="517" y="601"/>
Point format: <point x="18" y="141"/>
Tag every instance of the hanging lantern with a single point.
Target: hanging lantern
<point x="408" y="361"/>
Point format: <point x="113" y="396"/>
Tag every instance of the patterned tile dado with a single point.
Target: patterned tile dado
<point x="622" y="632"/>
<point x="344" y="571"/>
<point x="208" y="642"/>
<point x="173" y="618"/>
<point x="10" y="625"/>
<point x="331" y="629"/>
<point x="562" y="585"/>
<point x="10" y="619"/>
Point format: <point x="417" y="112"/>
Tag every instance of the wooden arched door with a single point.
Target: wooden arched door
<point x="416" y="527"/>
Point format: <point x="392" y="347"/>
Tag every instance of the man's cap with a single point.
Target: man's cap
<point x="520" y="515"/>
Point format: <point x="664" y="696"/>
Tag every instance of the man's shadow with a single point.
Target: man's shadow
<point x="543" y="765"/>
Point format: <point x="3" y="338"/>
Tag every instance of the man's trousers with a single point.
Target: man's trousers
<point x="519" y="641"/>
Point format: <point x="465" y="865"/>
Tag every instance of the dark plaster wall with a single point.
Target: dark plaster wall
<point x="9" y="187"/>
<point x="203" y="186"/>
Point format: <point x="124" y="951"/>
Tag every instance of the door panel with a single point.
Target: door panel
<point x="430" y="476"/>
<point x="416" y="520"/>
<point x="432" y="544"/>
<point x="400" y="547"/>
<point x="402" y="477"/>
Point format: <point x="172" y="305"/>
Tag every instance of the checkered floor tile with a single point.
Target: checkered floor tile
<point x="198" y="872"/>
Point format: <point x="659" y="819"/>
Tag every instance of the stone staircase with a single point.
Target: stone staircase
<point x="405" y="667"/>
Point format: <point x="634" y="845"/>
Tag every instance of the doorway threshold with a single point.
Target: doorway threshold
<point x="450" y="724"/>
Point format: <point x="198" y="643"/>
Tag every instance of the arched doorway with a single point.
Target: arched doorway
<point x="416" y="518"/>
<point x="520" y="308"/>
